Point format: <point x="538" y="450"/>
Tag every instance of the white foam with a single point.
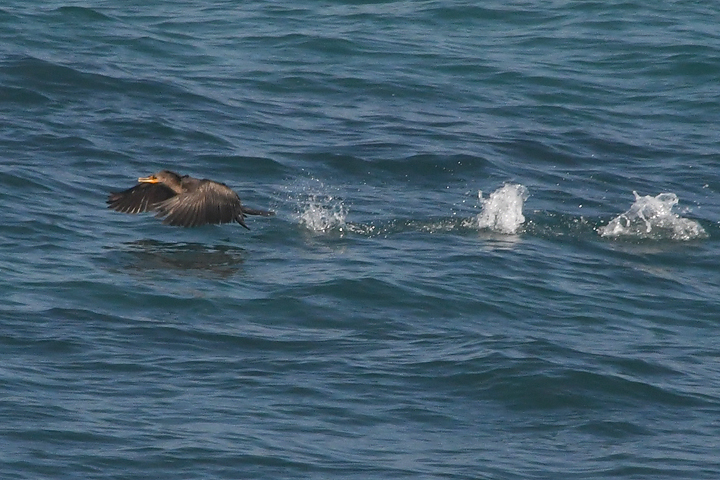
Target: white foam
<point x="323" y="214"/>
<point x="652" y="218"/>
<point x="502" y="210"/>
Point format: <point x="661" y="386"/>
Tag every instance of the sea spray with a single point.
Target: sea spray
<point x="323" y="214"/>
<point x="502" y="210"/>
<point x="652" y="218"/>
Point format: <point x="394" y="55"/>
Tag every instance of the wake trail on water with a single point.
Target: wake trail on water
<point x="501" y="213"/>
<point x="649" y="218"/>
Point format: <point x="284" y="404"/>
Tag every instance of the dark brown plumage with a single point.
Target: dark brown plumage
<point x="183" y="200"/>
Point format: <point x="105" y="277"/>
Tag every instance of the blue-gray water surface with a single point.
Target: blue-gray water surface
<point x="459" y="282"/>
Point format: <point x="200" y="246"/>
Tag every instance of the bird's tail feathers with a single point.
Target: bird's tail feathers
<point x="253" y="211"/>
<point x="241" y="220"/>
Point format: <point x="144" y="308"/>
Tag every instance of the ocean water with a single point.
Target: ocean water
<point x="495" y="254"/>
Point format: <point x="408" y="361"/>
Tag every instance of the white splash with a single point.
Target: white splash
<point x="502" y="210"/>
<point x="323" y="214"/>
<point x="652" y="217"/>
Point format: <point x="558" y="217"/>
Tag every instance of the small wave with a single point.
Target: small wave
<point x="323" y="214"/>
<point x="652" y="218"/>
<point x="502" y="210"/>
<point x="82" y="13"/>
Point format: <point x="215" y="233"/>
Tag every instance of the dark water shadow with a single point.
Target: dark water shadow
<point x="193" y="259"/>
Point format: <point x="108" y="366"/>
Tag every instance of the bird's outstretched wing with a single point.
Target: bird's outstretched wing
<point x="209" y="203"/>
<point x="140" y="198"/>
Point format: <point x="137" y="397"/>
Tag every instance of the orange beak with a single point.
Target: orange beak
<point x="150" y="179"/>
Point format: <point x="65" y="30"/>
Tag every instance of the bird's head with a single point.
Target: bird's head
<point x="164" y="176"/>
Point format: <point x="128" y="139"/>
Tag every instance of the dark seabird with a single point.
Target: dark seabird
<point x="183" y="200"/>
